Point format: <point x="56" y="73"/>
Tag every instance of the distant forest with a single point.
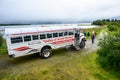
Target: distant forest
<point x="106" y="22"/>
<point x="12" y="24"/>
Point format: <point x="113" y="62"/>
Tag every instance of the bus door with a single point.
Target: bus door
<point x="77" y="35"/>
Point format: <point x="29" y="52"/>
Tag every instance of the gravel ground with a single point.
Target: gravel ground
<point x="5" y="61"/>
<point x="90" y="47"/>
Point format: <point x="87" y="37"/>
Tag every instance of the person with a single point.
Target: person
<point x="93" y="37"/>
<point x="95" y="33"/>
<point x="88" y="34"/>
<point x="84" y="33"/>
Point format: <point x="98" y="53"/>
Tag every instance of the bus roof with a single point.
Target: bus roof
<point x="30" y="30"/>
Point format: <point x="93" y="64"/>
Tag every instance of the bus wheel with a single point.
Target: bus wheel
<point x="46" y="53"/>
<point x="82" y="44"/>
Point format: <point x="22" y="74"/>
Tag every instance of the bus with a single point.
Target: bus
<point x="23" y="41"/>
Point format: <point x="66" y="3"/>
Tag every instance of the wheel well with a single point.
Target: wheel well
<point x="83" y="39"/>
<point x="46" y="47"/>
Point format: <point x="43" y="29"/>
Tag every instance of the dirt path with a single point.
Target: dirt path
<point x="91" y="47"/>
<point x="5" y="62"/>
<point x="33" y="64"/>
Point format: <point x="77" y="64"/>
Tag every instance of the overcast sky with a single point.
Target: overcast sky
<point x="21" y="11"/>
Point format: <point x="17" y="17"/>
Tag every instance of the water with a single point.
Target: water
<point x="81" y="25"/>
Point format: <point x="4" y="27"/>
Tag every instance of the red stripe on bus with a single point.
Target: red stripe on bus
<point x="63" y="41"/>
<point x="22" y="48"/>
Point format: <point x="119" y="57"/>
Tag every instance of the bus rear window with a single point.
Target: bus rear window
<point x="16" y="39"/>
<point x="27" y="38"/>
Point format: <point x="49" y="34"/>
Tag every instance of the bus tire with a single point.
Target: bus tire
<point x="46" y="53"/>
<point x="82" y="44"/>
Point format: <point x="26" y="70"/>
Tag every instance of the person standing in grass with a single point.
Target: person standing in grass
<point x="88" y="34"/>
<point x="84" y="33"/>
<point x="93" y="37"/>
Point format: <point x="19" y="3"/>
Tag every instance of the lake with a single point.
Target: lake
<point x="80" y="25"/>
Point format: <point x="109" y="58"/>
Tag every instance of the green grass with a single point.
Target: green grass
<point x="64" y="65"/>
<point x="3" y="49"/>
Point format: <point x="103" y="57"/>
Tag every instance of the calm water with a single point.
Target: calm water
<point x="81" y="25"/>
<point x="76" y="24"/>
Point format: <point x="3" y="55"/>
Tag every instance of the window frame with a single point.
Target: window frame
<point x="35" y="35"/>
<point x="50" y="35"/>
<point x="66" y="34"/>
<point x="16" y="37"/>
<point x="55" y="33"/>
<point x="60" y="35"/>
<point x="27" y="40"/>
<point x="69" y="33"/>
<point x="42" y="38"/>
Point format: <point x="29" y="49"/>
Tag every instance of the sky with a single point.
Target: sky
<point x="26" y="11"/>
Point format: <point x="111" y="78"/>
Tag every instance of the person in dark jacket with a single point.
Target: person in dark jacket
<point x="92" y="38"/>
<point x="85" y="34"/>
<point x="88" y="34"/>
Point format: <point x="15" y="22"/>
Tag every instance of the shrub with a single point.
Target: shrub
<point x="112" y="27"/>
<point x="109" y="53"/>
<point x="98" y="22"/>
<point x="1" y="40"/>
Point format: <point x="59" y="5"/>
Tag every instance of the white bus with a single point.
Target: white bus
<point x="29" y="40"/>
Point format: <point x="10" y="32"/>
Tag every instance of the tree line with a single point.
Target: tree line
<point x="105" y="22"/>
<point x="13" y="24"/>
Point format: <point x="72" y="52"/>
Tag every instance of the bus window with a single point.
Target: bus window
<point x="49" y="35"/>
<point x="60" y="34"/>
<point x="65" y="33"/>
<point x="70" y="33"/>
<point x="27" y="38"/>
<point x="16" y="39"/>
<point x="55" y="34"/>
<point x="34" y="37"/>
<point x="42" y="36"/>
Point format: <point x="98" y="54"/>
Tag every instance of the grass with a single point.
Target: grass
<point x="64" y="65"/>
<point x="3" y="48"/>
